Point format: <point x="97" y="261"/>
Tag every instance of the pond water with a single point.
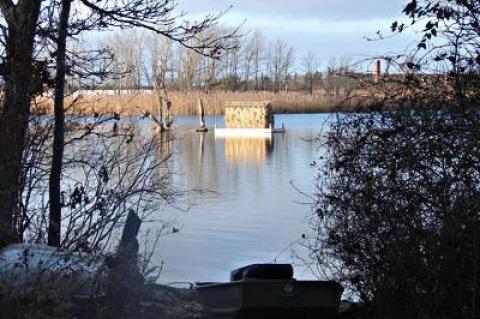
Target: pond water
<point x="248" y="212"/>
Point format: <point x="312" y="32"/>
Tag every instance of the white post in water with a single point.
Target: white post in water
<point x="201" y="113"/>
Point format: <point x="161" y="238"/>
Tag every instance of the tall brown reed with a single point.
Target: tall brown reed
<point x="185" y="103"/>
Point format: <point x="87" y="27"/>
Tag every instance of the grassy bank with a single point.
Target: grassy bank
<point x="185" y="103"/>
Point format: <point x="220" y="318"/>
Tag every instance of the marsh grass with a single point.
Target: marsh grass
<point x="185" y="103"/>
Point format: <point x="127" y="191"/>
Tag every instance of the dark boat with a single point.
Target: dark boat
<point x="266" y="291"/>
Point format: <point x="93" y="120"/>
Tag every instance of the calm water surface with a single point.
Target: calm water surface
<point x="249" y="212"/>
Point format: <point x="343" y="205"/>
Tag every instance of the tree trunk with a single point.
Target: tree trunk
<point x="21" y="20"/>
<point x="55" y="217"/>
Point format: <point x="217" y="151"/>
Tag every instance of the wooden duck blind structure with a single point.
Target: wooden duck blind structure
<point x="248" y="119"/>
<point x="249" y="115"/>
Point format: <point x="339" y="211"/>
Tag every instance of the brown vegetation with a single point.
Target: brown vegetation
<point x="185" y="103"/>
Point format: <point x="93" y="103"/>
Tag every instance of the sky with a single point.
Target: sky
<point x="330" y="28"/>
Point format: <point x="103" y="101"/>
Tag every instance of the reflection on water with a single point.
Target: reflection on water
<point x="240" y="150"/>
<point x="248" y="212"/>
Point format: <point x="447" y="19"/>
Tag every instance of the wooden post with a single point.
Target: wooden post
<point x="168" y="116"/>
<point x="128" y="248"/>
<point x="125" y="282"/>
<point x="201" y="113"/>
<point x="377" y="76"/>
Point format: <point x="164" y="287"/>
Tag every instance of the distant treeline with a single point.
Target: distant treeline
<point x="257" y="64"/>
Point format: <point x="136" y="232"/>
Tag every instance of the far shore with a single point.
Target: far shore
<point x="134" y="103"/>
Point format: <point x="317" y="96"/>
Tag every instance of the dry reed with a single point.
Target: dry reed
<point x="185" y="103"/>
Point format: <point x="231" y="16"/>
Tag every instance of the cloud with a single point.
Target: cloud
<point x="281" y="24"/>
<point x="330" y="28"/>
<point x="321" y="9"/>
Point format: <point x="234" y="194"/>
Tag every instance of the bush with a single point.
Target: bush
<point x="398" y="211"/>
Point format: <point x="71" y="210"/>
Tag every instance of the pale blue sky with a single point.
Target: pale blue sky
<point x="331" y="28"/>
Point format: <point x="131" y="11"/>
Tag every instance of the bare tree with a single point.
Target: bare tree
<point x="258" y="47"/>
<point x="154" y="16"/>
<point x="19" y="32"/>
<point x="248" y="52"/>
<point x="288" y="62"/>
<point x="189" y="68"/>
<point x="59" y="131"/>
<point x="282" y="58"/>
<point x="278" y="53"/>
<point x="21" y="22"/>
<point x="310" y="65"/>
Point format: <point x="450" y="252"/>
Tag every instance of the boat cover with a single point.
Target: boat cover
<point x="263" y="271"/>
